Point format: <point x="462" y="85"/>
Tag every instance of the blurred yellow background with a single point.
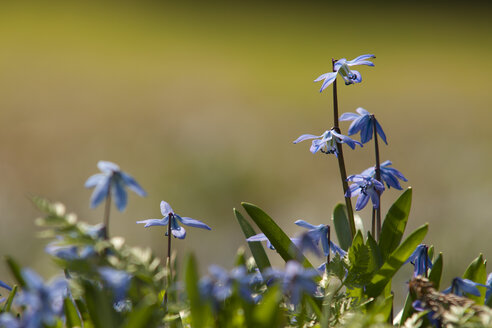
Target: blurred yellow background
<point x="200" y="102"/>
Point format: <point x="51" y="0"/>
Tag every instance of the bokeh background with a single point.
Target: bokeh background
<point x="200" y="102"/>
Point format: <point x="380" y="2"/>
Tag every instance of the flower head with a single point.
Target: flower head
<point x="296" y="280"/>
<point x="365" y="187"/>
<point x="118" y="281"/>
<point x="327" y="142"/>
<point x="363" y="122"/>
<point x="460" y="286"/>
<point x="44" y="303"/>
<point x="174" y="219"/>
<point x="341" y="67"/>
<point x="389" y="175"/>
<point x="320" y="233"/>
<point x="113" y="180"/>
<point x="420" y="260"/>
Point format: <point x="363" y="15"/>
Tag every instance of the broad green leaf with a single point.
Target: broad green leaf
<point x="477" y="272"/>
<point x="15" y="270"/>
<point x="256" y="247"/>
<point x="395" y="261"/>
<point x="10" y="299"/>
<point x="282" y="243"/>
<point x="394" y="224"/>
<point x="375" y="251"/>
<point x="267" y="313"/>
<point x="436" y="272"/>
<point x="71" y="314"/>
<point x="361" y="263"/>
<point x="142" y="317"/>
<point x="191" y="284"/>
<point x="342" y="227"/>
<point x="99" y="306"/>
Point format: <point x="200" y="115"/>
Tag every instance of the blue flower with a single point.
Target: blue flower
<point x="7" y="320"/>
<point x="320" y="233"/>
<point x="327" y="142"/>
<point x="176" y="229"/>
<point x="389" y="175"/>
<point x="68" y="252"/>
<point x="118" y="281"/>
<point x="114" y="180"/>
<point x="44" y="303"/>
<point x="420" y="260"/>
<point x="488" y="284"/>
<point x="363" y="122"/>
<point x="342" y="67"/>
<point x="261" y="237"/>
<point x="4" y="285"/>
<point x="295" y="280"/>
<point x="460" y="286"/>
<point x="221" y="284"/>
<point x="365" y="187"/>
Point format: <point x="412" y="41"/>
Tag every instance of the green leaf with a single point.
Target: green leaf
<point x="477" y="272"/>
<point x="394" y="224"/>
<point x="375" y="251"/>
<point x="71" y="314"/>
<point x="99" y="306"/>
<point x="191" y="284"/>
<point x="267" y="313"/>
<point x="10" y="299"/>
<point x="342" y="227"/>
<point x="141" y="317"/>
<point x="15" y="270"/>
<point x="407" y="310"/>
<point x="436" y="272"/>
<point x="256" y="247"/>
<point x="395" y="261"/>
<point x="362" y="264"/>
<point x="282" y="243"/>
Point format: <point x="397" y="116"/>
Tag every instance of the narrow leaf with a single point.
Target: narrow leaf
<point x="267" y="313"/>
<point x="407" y="310"/>
<point x="395" y="261"/>
<point x="141" y="317"/>
<point x="436" y="272"/>
<point x="191" y="283"/>
<point x="256" y="247"/>
<point x="394" y="224"/>
<point x="477" y="272"/>
<point x="282" y="243"/>
<point x="15" y="270"/>
<point x="10" y="299"/>
<point x="342" y="227"/>
<point x="71" y="314"/>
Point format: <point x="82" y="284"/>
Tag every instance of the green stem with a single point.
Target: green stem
<point x="378" y="175"/>
<point x="107" y="209"/>
<point x="341" y="161"/>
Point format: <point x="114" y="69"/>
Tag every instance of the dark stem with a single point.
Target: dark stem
<point x="107" y="209"/>
<point x="378" y="175"/>
<point x="341" y="162"/>
<point x="373" y="223"/>
<point x="168" y="260"/>
<point x="426" y="259"/>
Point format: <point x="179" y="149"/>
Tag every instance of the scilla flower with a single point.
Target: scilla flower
<point x="420" y="260"/>
<point x="174" y="219"/>
<point x="363" y="122"/>
<point x="365" y="187"/>
<point x="461" y="286"/>
<point x="320" y="233"/>
<point x="113" y="180"/>
<point x="389" y="175"/>
<point x="342" y="67"/>
<point x="327" y="142"/>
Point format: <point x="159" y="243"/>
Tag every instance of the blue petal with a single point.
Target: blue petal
<point x="192" y="222"/>
<point x="177" y="231"/>
<point x="155" y="222"/>
<point x="361" y="201"/>
<point x="348" y="117"/>
<point x="119" y="194"/>
<point x="32" y="279"/>
<point x="380" y="131"/>
<point x="329" y="78"/>
<point x="316" y="145"/>
<point x="4" y="285"/>
<point x="132" y="184"/>
<point x="166" y="208"/>
<point x="336" y="249"/>
<point x="366" y="131"/>
<point x="325" y="244"/>
<point x="362" y="111"/>
<point x="306" y="137"/>
<point x="304" y="224"/>
<point x="94" y="180"/>
<point x="108" y="167"/>
<point x="374" y="198"/>
<point x="258" y="237"/>
<point x="469" y="287"/>
<point x="100" y="192"/>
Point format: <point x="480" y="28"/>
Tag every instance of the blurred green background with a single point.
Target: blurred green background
<point x="200" y="102"/>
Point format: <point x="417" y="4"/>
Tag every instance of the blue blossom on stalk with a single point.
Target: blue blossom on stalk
<point x="363" y="122"/>
<point x="112" y="178"/>
<point x="295" y="280"/>
<point x="389" y="175"/>
<point x="68" y="252"/>
<point x="420" y="260"/>
<point x="327" y="142"/>
<point x="460" y="286"/>
<point x="341" y="67"/>
<point x="174" y="219"/>
<point x="43" y="303"/>
<point x="221" y="283"/>
<point x="319" y="234"/>
<point x="118" y="281"/>
<point x="365" y="187"/>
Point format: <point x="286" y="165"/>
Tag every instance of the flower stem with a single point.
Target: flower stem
<point x="378" y="175"/>
<point x="341" y="162"/>
<point x="168" y="260"/>
<point x="329" y="249"/>
<point x="107" y="209"/>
